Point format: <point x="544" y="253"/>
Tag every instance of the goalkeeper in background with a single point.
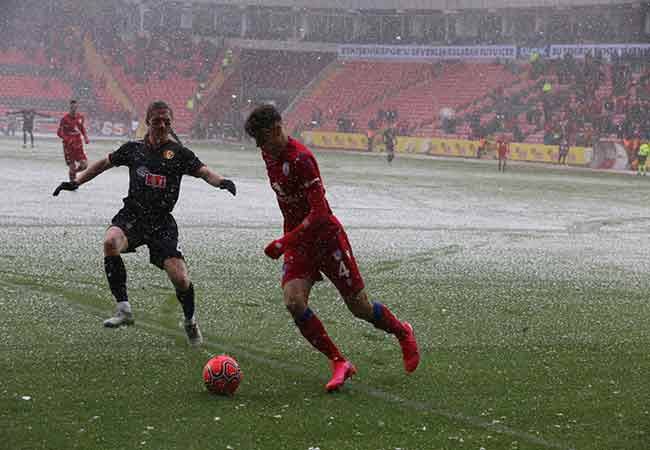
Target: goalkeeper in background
<point x="29" y="116"/>
<point x="156" y="166"/>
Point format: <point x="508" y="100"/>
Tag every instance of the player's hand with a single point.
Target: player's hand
<point x="275" y="249"/>
<point x="228" y="185"/>
<point x="65" y="186"/>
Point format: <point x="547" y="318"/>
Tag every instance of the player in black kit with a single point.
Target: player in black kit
<point x="28" y="123"/>
<point x="156" y="166"/>
<point x="390" y="137"/>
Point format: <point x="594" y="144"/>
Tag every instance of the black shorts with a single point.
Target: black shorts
<point x="159" y="234"/>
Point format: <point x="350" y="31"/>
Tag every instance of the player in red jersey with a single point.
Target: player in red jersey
<point x="315" y="242"/>
<point x="502" y="152"/>
<point x="71" y="129"/>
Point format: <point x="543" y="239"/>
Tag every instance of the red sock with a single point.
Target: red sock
<point x="313" y="330"/>
<point x="386" y="320"/>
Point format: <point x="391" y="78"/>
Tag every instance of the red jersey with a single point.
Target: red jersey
<point x="72" y="126"/>
<point x="299" y="189"/>
<point x="503" y="148"/>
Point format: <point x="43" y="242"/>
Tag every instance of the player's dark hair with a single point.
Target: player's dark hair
<point x="159" y="104"/>
<point x="73" y="101"/>
<point x="264" y="116"/>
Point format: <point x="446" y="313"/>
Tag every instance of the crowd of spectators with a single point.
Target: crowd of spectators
<point x="582" y="100"/>
<point x="160" y="54"/>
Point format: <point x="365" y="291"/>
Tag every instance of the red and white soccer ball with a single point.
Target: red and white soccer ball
<point x="222" y="375"/>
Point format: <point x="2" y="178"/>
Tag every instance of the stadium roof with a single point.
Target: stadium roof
<point x="443" y="5"/>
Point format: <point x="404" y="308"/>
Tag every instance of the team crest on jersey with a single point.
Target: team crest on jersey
<point x="285" y="169"/>
<point x="168" y="154"/>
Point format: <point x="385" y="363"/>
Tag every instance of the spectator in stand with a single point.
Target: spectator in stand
<point x="316" y="118"/>
<point x="517" y="134"/>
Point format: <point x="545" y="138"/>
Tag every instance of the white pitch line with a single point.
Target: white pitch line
<point x="368" y="390"/>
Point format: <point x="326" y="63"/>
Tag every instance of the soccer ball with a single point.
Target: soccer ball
<point x="222" y="375"/>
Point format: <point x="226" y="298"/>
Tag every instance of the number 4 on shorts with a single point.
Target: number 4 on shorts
<point x="343" y="271"/>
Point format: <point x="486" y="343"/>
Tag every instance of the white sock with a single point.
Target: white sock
<point x="124" y="307"/>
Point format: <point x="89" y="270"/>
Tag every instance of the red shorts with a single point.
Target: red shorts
<point x="73" y="150"/>
<point x="333" y="257"/>
<point x="503" y="155"/>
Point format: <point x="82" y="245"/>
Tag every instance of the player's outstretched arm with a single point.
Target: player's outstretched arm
<point x="216" y="180"/>
<point x="65" y="186"/>
<point x="91" y="172"/>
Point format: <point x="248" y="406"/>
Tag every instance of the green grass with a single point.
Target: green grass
<point x="527" y="290"/>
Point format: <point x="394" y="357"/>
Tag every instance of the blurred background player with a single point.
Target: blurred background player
<point x="390" y="137"/>
<point x="71" y="129"/>
<point x="156" y="166"/>
<point x="502" y="153"/>
<point x="315" y="242"/>
<point x="563" y="151"/>
<point x="644" y="152"/>
<point x="12" y="125"/>
<point x="482" y="147"/>
<point x="29" y="116"/>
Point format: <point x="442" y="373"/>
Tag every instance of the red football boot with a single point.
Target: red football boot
<point x="341" y="371"/>
<point x="410" y="351"/>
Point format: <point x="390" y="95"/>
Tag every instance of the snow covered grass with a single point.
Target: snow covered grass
<point x="527" y="290"/>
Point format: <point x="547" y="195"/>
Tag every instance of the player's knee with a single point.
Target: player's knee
<point x="295" y="304"/>
<point x="111" y="246"/>
<point x="114" y="243"/>
<point x="359" y="305"/>
<point x="179" y="278"/>
<point x="180" y="281"/>
<point x="177" y="273"/>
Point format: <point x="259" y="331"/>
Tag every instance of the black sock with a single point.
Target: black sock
<point x="187" y="301"/>
<point x="116" y="275"/>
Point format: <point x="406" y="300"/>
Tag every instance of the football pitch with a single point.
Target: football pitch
<point x="528" y="291"/>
